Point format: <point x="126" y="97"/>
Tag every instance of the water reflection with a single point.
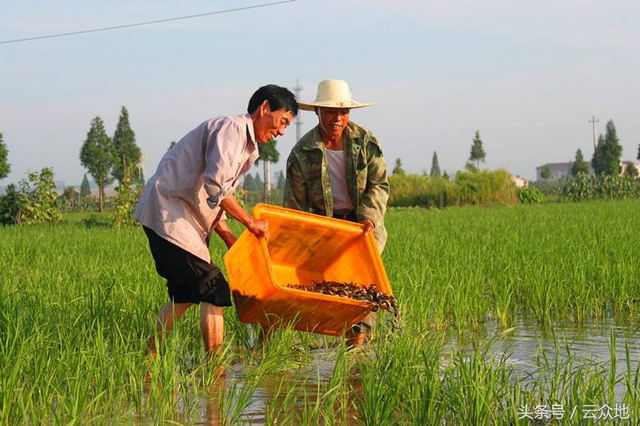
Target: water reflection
<point x="537" y="350"/>
<point x="295" y="389"/>
<point x="587" y="341"/>
<point x="290" y="389"/>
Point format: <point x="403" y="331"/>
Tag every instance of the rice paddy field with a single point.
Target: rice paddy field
<point x="510" y="315"/>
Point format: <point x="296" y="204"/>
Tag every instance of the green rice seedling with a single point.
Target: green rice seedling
<point x="336" y="401"/>
<point x="632" y="381"/>
<point x="309" y="413"/>
<point x="235" y="399"/>
<point x="477" y="385"/>
<point x="553" y="375"/>
<point x="378" y="400"/>
<point x="420" y="379"/>
<point x="281" y="351"/>
<point x="613" y="378"/>
<point x="77" y="305"/>
<point x="281" y="402"/>
<point x="562" y="379"/>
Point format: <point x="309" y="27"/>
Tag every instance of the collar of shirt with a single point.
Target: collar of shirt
<point x="252" y="145"/>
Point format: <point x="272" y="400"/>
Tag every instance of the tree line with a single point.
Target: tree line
<point x="118" y="157"/>
<point x="476" y="156"/>
<point x="606" y="159"/>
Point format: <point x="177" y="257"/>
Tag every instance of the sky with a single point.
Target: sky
<point x="529" y="75"/>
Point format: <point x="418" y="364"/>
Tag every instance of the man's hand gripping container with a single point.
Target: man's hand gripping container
<point x="302" y="248"/>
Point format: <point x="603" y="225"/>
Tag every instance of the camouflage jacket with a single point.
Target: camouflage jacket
<point x="308" y="187"/>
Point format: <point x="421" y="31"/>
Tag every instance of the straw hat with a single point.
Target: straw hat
<point x="333" y="94"/>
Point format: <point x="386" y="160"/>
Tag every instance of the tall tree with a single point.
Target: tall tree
<point x="97" y="155"/>
<point x="397" y="169"/>
<point x="638" y="158"/>
<point x="127" y="153"/>
<point x="268" y="154"/>
<point x="248" y="182"/>
<point x="140" y="180"/>
<point x="280" y="184"/>
<point x="597" y="161"/>
<point x="85" y="188"/>
<point x="435" y="166"/>
<point x="579" y="166"/>
<point x="606" y="158"/>
<point x="5" y="167"/>
<point x="477" y="151"/>
<point x="257" y="182"/>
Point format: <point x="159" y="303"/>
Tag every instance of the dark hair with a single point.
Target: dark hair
<point x="278" y="97"/>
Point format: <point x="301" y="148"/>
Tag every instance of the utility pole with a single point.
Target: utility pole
<point x="297" y="89"/>
<point x="593" y="121"/>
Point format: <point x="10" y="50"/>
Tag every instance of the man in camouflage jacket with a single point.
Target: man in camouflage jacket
<point x="308" y="186"/>
<point x="337" y="170"/>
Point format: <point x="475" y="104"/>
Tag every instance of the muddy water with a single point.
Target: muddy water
<point x="588" y="343"/>
<point x="318" y="372"/>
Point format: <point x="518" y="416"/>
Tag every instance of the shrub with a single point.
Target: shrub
<point x="98" y="220"/>
<point x="11" y="205"/>
<point x="415" y="190"/>
<point x="126" y="201"/>
<point x="483" y="187"/>
<point x="34" y="201"/>
<point x="470" y="187"/>
<point x="530" y="195"/>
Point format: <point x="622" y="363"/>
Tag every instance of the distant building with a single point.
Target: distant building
<point x="108" y="192"/>
<point x="560" y="170"/>
<point x="60" y="192"/>
<point x="624" y="166"/>
<point x="520" y="182"/>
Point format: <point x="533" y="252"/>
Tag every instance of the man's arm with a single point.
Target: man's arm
<point x="258" y="227"/>
<point x="224" y="232"/>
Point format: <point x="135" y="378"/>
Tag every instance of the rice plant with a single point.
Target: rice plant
<point x="77" y="305"/>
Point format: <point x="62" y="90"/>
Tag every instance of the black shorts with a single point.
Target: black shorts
<point x="189" y="278"/>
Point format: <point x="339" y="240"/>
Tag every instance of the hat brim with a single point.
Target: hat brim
<point x="351" y="105"/>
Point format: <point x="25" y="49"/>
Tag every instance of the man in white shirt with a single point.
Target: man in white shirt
<point x="188" y="198"/>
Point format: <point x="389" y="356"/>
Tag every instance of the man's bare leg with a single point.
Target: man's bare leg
<point x="166" y="322"/>
<point x="212" y="325"/>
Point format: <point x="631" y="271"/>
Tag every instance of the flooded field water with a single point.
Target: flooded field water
<point x="587" y="343"/>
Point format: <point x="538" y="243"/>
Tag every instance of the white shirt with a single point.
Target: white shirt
<point x="338" y="178"/>
<point x="181" y="201"/>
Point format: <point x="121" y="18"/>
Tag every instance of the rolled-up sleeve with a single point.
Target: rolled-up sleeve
<point x="222" y="157"/>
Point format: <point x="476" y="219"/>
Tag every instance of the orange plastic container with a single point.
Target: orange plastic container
<point x="302" y="248"/>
